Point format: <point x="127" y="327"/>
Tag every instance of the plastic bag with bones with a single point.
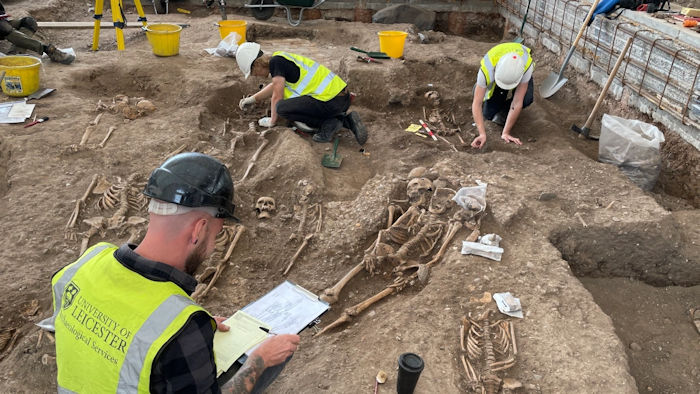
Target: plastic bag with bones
<point x="430" y="217"/>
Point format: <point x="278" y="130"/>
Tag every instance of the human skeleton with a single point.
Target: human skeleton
<point x="408" y="241"/>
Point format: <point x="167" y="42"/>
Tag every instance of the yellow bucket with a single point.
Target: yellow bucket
<point x="228" y="27"/>
<point x="21" y="75"/>
<point x="164" y="38"/>
<point x="391" y="43"/>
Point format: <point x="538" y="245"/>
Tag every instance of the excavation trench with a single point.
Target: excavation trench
<point x="645" y="277"/>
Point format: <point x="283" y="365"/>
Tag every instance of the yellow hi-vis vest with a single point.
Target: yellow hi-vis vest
<point x="315" y="80"/>
<point x="489" y="61"/>
<point x="111" y="322"/>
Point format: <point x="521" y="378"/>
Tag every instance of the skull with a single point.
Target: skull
<point x="441" y="200"/>
<point x="265" y="206"/>
<point x="417" y="189"/>
<point x="433" y="97"/>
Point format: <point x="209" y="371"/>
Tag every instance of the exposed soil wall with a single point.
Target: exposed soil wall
<point x="680" y="169"/>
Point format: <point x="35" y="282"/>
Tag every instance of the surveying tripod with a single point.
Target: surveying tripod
<point x="118" y="19"/>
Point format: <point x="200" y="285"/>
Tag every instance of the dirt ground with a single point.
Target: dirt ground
<point x="624" y="327"/>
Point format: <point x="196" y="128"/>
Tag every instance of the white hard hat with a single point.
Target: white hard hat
<point x="246" y="55"/>
<point x="509" y="71"/>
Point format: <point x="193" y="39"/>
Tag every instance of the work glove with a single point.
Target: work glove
<point x="246" y="101"/>
<point x="266" y="122"/>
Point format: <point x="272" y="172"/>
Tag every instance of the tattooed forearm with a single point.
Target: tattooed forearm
<point x="244" y="380"/>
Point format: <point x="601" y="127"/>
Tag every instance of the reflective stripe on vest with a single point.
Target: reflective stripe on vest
<point x="154" y="327"/>
<point x="68" y="274"/>
<point x="106" y="341"/>
<point x="488" y="65"/>
<point x="309" y="82"/>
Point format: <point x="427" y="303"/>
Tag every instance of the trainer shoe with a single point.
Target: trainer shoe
<point x="328" y="130"/>
<point x="58" y="55"/>
<point x="301" y="126"/>
<point x="354" y="123"/>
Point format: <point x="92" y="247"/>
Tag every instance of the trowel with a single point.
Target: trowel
<point x="332" y="160"/>
<point x="39" y="94"/>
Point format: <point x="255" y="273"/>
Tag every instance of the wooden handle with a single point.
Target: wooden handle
<point x="608" y="83"/>
<point x="585" y="22"/>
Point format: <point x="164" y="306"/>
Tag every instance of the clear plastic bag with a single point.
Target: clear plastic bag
<point x="472" y="198"/>
<point x="633" y="146"/>
<point x="228" y="46"/>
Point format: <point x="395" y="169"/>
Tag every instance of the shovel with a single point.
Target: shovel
<point x="334" y="160"/>
<point x="519" y="38"/>
<point x="555" y="81"/>
<point x="585" y="131"/>
<point x="376" y="55"/>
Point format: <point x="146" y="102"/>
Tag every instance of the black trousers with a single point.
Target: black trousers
<point x="311" y="111"/>
<point x="9" y="31"/>
<point x="499" y="101"/>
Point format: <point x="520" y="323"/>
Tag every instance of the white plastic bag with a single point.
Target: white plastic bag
<point x="228" y="46"/>
<point x="472" y="198"/>
<point x="633" y="146"/>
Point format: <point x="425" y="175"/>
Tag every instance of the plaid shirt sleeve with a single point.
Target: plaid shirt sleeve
<point x="186" y="364"/>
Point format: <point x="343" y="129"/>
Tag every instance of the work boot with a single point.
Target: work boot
<point x="58" y="56"/>
<point x="353" y="122"/>
<point x="499" y="119"/>
<point x="328" y="129"/>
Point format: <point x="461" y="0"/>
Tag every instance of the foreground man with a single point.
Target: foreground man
<point x="11" y="30"/>
<point x="123" y="317"/>
<point x="302" y="91"/>
<point x="506" y="70"/>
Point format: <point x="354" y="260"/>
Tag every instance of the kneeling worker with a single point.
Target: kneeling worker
<point x="11" y="30"/>
<point x="123" y="316"/>
<point x="302" y="91"/>
<point x="506" y="70"/>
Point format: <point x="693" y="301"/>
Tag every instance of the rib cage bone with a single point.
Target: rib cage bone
<point x="487" y="347"/>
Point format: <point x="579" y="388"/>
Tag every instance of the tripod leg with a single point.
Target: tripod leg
<point x="142" y="15"/>
<point x="98" y="22"/>
<point x="118" y="23"/>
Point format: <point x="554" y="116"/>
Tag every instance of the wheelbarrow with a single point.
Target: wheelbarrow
<point x="263" y="9"/>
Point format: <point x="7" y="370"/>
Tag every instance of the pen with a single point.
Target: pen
<point x="267" y="330"/>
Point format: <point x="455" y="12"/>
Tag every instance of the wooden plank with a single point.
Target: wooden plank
<point x="83" y="25"/>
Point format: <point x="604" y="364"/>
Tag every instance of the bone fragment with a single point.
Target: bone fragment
<point x="580" y="218"/>
<point x="357" y="309"/>
<point x="512" y="338"/>
<point x="202" y="291"/>
<point x="253" y="159"/>
<point x="97" y="119"/>
<point x="296" y="255"/>
<point x="448" y="143"/>
<point x="10" y="345"/>
<point x="451" y="231"/>
<point x="46" y="359"/>
<point x="178" y="150"/>
<point x="331" y="295"/>
<point x="109" y="134"/>
<point x="86" y="135"/>
<point x="76" y="211"/>
<point x="223" y="132"/>
<point x="41" y="335"/>
<point x="610" y="205"/>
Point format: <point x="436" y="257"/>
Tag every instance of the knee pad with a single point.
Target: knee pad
<point x="29" y="23"/>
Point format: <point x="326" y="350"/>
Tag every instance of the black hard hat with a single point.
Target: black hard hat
<point x="193" y="180"/>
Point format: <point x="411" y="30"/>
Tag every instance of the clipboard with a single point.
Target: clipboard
<point x="286" y="309"/>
